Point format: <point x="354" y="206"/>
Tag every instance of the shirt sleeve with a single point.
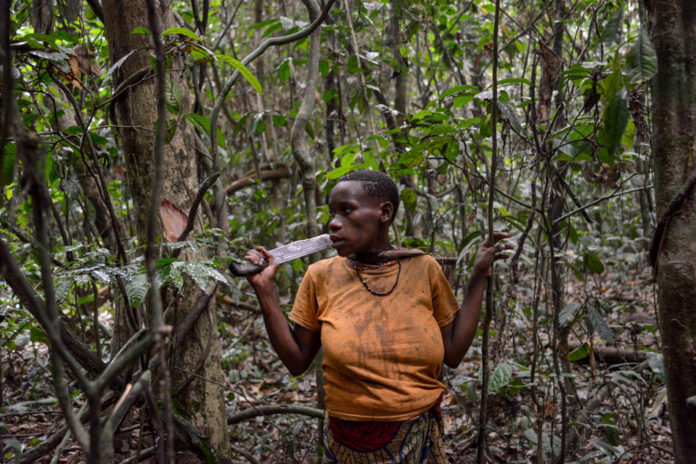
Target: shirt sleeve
<point x="304" y="308"/>
<point x="444" y="302"/>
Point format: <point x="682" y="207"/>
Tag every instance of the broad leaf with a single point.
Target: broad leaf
<point x="408" y="197"/>
<point x="244" y="71"/>
<point x="136" y="289"/>
<point x="182" y="31"/>
<point x="593" y="262"/>
<point x="500" y="377"/>
<point x="204" y="124"/>
<point x="657" y="365"/>
<point x="641" y="61"/>
<point x="201" y="273"/>
<point x="600" y="325"/>
<point x="612" y="29"/>
<point x="614" y="124"/>
<point x="508" y="112"/>
<point x="579" y="353"/>
<point x="568" y="314"/>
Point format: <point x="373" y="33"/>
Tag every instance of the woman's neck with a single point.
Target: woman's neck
<point x="373" y="256"/>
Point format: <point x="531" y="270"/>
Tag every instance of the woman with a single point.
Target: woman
<point x="387" y="319"/>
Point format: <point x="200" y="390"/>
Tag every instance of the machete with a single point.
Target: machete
<point x="285" y="253"/>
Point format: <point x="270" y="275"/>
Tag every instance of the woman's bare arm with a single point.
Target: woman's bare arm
<point x="458" y="334"/>
<point x="295" y="347"/>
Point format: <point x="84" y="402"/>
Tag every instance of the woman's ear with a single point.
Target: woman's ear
<point x="387" y="210"/>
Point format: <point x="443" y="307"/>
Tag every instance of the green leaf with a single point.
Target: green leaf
<point x="141" y="30"/>
<point x="353" y="65"/>
<point x="422" y="114"/>
<point x="338" y="172"/>
<point x="243" y="70"/>
<point x="8" y="165"/>
<point x="616" y="451"/>
<point x="641" y="60"/>
<point x="593" y="262"/>
<point x="579" y="353"/>
<point x="204" y="124"/>
<point x="173" y="93"/>
<point x="136" y="289"/>
<point x="201" y="273"/>
<point x="183" y="31"/>
<point x="284" y="71"/>
<point x="513" y="80"/>
<point x="657" y="365"/>
<point x="279" y="120"/>
<point x="170" y="131"/>
<point x="612" y="29"/>
<point x="568" y="315"/>
<point x="508" y="112"/>
<point x="600" y="325"/>
<point x="500" y="377"/>
<point x="38" y="335"/>
<point x="408" y="197"/>
<point x="614" y="125"/>
<point x="472" y="89"/>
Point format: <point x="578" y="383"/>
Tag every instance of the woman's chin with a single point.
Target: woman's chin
<point x="341" y="249"/>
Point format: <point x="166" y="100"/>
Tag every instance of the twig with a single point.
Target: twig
<point x="246" y="454"/>
<point x="66" y="437"/>
<point x="193" y="315"/>
<point x="599" y="200"/>
<point x="194" y="206"/>
<point x="151" y="228"/>
<point x="672" y="209"/>
<point x="269" y="410"/>
<point x="144" y="454"/>
<point x="273" y="41"/>
<point x="485" y="348"/>
<point x="249" y="180"/>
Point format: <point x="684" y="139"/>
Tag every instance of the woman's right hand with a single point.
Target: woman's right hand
<point x="263" y="279"/>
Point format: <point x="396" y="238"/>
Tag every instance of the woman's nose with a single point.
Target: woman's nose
<point x="334" y="224"/>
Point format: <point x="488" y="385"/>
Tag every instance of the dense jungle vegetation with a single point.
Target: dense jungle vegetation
<point x="147" y="144"/>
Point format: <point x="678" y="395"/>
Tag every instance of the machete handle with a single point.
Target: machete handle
<point x="246" y="268"/>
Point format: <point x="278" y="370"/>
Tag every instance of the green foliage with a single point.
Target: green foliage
<point x="641" y="61"/>
<point x="244" y="71"/>
<point x="437" y="146"/>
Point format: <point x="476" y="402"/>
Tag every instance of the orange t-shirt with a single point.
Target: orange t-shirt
<point x="382" y="355"/>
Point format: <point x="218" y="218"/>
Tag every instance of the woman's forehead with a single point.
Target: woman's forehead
<point x="348" y="190"/>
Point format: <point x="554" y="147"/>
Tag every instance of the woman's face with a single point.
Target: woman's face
<point x="358" y="222"/>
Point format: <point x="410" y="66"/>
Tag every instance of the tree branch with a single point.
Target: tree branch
<point x="269" y="410"/>
<point x="194" y="206"/>
<point x="672" y="209"/>
<point x="249" y="180"/>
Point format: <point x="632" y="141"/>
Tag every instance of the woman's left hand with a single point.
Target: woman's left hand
<point x="489" y="252"/>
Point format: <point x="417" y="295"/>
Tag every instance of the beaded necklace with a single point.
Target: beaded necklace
<point x="357" y="266"/>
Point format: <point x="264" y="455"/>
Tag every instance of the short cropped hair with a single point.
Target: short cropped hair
<point x="377" y="184"/>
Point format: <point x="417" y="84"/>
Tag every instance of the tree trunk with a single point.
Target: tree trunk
<point x="196" y="371"/>
<point x="674" y="129"/>
<point x="298" y="135"/>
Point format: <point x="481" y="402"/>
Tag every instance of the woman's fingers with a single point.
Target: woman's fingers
<point x="259" y="256"/>
<point x="497" y="236"/>
<point x="267" y="256"/>
<point x="255" y="257"/>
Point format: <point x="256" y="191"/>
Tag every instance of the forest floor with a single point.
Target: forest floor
<point x="620" y="415"/>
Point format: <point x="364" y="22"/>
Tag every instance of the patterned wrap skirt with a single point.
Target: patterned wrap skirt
<point x="413" y="441"/>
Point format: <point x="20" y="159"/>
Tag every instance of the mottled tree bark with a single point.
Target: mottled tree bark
<point x="674" y="249"/>
<point x="196" y="371"/>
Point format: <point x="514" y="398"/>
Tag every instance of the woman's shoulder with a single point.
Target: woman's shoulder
<point x="323" y="265"/>
<point x="425" y="260"/>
